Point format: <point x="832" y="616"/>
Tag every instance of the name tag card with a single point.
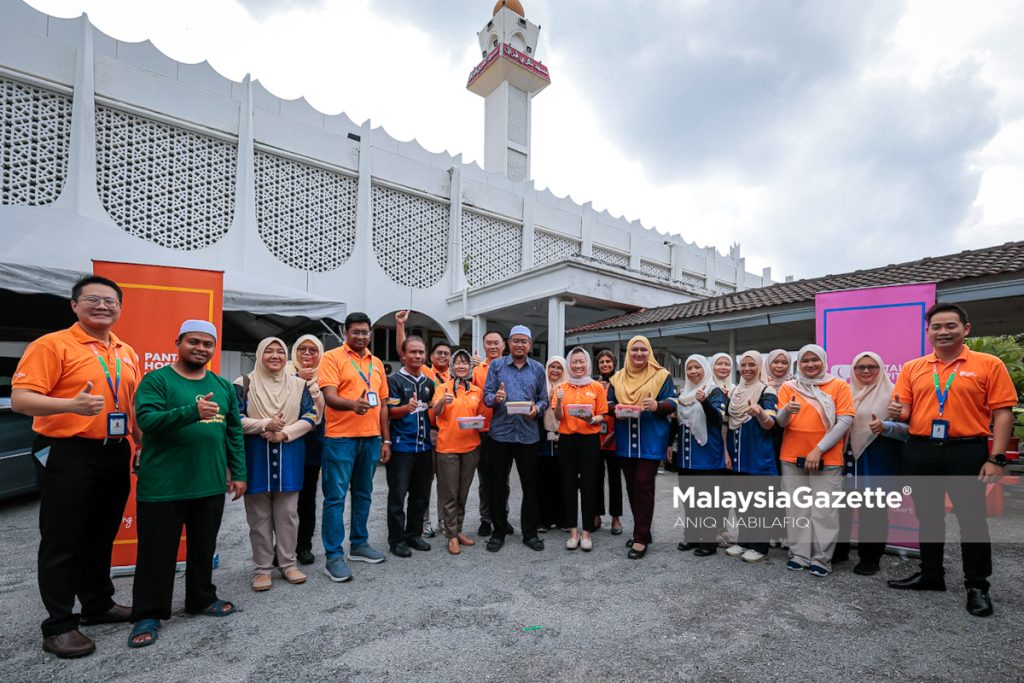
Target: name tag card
<point x="372" y="399"/>
<point x="117" y="425"/>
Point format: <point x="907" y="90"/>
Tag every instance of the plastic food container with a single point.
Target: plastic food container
<point x="583" y="410"/>
<point x="518" y="407"/>
<point x="631" y="412"/>
<point x="470" y="422"/>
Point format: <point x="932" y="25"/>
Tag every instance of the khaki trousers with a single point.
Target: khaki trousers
<point x="270" y="515"/>
<point x="454" y="478"/>
<point x="814" y="530"/>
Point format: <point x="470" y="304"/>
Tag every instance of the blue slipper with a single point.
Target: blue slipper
<point x="216" y="609"/>
<point x="144" y="627"/>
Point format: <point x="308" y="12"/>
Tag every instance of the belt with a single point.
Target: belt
<point x="958" y="441"/>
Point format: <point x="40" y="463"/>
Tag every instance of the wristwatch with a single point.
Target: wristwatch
<point x="998" y="459"/>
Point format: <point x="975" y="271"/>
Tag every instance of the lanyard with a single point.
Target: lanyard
<point x="114" y="387"/>
<point x="360" y="371"/>
<point x="940" y="395"/>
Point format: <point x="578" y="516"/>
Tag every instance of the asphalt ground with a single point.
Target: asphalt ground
<point x="523" y="615"/>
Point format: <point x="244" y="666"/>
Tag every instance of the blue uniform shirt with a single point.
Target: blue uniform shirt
<point x="752" y="448"/>
<point x="690" y="455"/>
<point x="647" y="436"/>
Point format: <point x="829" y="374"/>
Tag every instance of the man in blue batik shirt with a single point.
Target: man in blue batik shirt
<point x="515" y="378"/>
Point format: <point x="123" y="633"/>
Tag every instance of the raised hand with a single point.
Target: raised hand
<point x="895" y="408"/>
<point x="476" y="358"/>
<point x="876" y="425"/>
<point x="793" y="407"/>
<point x="208" y="408"/>
<point x="86" y="403"/>
<point x="307" y="373"/>
<point x="700" y="395"/>
<point x="753" y="409"/>
<point x="401" y="317"/>
<point x="361" y="405"/>
<point x="500" y="395"/>
<point x="448" y="398"/>
<point x="560" y="393"/>
<point x="414" y="404"/>
<point x="649" y="404"/>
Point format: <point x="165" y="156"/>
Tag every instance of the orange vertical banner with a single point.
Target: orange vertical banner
<point x="156" y="301"/>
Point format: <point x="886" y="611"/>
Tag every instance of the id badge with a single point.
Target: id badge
<point x="372" y="399"/>
<point x="117" y="425"/>
<point x="604" y="427"/>
<point x="940" y="430"/>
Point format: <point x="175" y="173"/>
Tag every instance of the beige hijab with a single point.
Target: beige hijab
<point x="746" y="392"/>
<point x="808" y="386"/>
<point x="551" y="420"/>
<point x="868" y="400"/>
<point x="294" y="364"/>
<point x="725" y="383"/>
<point x="772" y="381"/>
<point x="690" y="411"/>
<point x="633" y="385"/>
<point x="271" y="393"/>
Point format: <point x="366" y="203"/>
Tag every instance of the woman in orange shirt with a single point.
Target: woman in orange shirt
<point x="581" y="405"/>
<point x="816" y="410"/>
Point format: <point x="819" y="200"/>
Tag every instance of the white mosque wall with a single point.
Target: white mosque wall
<point x="121" y="153"/>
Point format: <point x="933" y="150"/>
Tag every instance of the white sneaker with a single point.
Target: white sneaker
<point x="751" y="556"/>
<point x="586" y="544"/>
<point x="735" y="550"/>
<point x="572" y="543"/>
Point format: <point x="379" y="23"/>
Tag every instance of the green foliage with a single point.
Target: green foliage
<point x="1010" y="350"/>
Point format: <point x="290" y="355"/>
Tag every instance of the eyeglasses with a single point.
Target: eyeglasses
<point x="93" y="300"/>
<point x="309" y="351"/>
<point x="865" y="368"/>
<point x="358" y="333"/>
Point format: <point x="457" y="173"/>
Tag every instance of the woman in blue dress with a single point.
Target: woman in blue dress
<point x="306" y="354"/>
<point x="699" y="449"/>
<point x="751" y="418"/>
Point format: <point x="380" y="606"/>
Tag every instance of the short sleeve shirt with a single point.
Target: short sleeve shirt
<point x="468" y="403"/>
<point x="806" y="429"/>
<point x="593" y="395"/>
<point x="348" y="372"/>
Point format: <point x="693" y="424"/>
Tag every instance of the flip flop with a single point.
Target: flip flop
<point x="143" y="627"/>
<point x="215" y="609"/>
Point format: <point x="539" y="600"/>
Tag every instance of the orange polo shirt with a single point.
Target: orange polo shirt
<point x="451" y="439"/>
<point x="479" y="379"/>
<point x="341" y="368"/>
<point x="590" y="394"/>
<point x="982" y="385"/>
<point x="60" y="363"/>
<point x="805" y="429"/>
<point x="436" y="377"/>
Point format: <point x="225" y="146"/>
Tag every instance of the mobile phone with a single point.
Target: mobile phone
<point x="801" y="462"/>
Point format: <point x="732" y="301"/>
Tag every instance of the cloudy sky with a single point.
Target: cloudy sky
<point x="822" y="136"/>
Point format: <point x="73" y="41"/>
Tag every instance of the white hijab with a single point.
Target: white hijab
<point x="747" y="392"/>
<point x="868" y="400"/>
<point x="586" y="378"/>
<point x="690" y="411"/>
<point x="550" y="419"/>
<point x="808" y="386"/>
<point x="725" y="384"/>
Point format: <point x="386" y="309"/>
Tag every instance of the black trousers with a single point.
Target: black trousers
<point x="959" y="463"/>
<point x="160" y="527"/>
<point x="409" y="477"/>
<point x="549" y="491"/>
<point x="872" y="525"/>
<point x="579" y="456"/>
<point x="525" y="456"/>
<point x="83" y="489"/>
<point x="307" y="507"/>
<point x="614" y="472"/>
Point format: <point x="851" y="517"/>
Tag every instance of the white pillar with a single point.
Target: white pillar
<point x="479" y="330"/>
<point x="556" y="326"/>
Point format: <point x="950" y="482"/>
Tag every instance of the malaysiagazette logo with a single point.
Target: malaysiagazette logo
<point x="803" y="497"/>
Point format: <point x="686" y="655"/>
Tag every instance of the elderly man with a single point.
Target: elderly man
<point x="519" y="380"/>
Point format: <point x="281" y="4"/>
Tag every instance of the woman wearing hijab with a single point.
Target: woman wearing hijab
<point x="872" y="454"/>
<point x="549" y="478"/>
<point x="778" y="369"/>
<point x="721" y="370"/>
<point x="277" y="411"/>
<point x="458" y="450"/>
<point x="606" y="368"/>
<point x="306" y="354"/>
<point x="700" y="450"/>
<point x="816" y="412"/>
<point x="641" y="441"/>
<point x="579" y="447"/>
<point x="751" y="418"/>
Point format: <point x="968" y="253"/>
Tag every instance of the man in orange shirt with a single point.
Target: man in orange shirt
<point x="950" y="397"/>
<point x="355" y="389"/>
<point x="494" y="348"/>
<point x="79" y="384"/>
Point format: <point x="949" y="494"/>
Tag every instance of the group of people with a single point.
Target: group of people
<point x="312" y="416"/>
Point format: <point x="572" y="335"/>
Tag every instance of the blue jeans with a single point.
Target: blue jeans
<point x="347" y="461"/>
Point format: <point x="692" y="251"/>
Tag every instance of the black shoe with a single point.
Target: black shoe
<point x="866" y="568"/>
<point x="400" y="550"/>
<point x="534" y="543"/>
<point x="704" y="551"/>
<point x="417" y="543"/>
<point x="684" y="546"/>
<point x="305" y="556"/>
<point x="635" y="554"/>
<point x="918" y="582"/>
<point x="509" y="531"/>
<point x="978" y="602"/>
<point x="494" y="543"/>
<point x="485" y="530"/>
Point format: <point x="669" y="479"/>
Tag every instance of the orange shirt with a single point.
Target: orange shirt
<point x="60" y="363"/>
<point x="479" y="379"/>
<point x="451" y="439"/>
<point x="338" y="368"/>
<point x="590" y="394"/>
<point x="805" y="429"/>
<point x="435" y="377"/>
<point x="982" y="385"/>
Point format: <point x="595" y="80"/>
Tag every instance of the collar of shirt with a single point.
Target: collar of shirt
<point x="408" y="374"/>
<point x="964" y="355"/>
<point x="83" y="337"/>
<point x="350" y="351"/>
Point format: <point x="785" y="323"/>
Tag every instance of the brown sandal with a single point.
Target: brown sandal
<point x="262" y="582"/>
<point x="293" y="576"/>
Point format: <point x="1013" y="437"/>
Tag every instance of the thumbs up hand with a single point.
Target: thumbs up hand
<point x="414" y="404"/>
<point x="87" y="403"/>
<point x="560" y="392"/>
<point x="476" y="358"/>
<point x="753" y="409"/>
<point x="361" y="404"/>
<point x="895" y="408"/>
<point x="208" y="408"/>
<point x="500" y="396"/>
<point x="649" y="404"/>
<point x="876" y="425"/>
<point x="700" y="395"/>
<point x="793" y="407"/>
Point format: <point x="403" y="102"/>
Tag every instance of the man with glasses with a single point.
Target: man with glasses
<point x="516" y="379"/>
<point x="355" y="387"/>
<point x="79" y="384"/>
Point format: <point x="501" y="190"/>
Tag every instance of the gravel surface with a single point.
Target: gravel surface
<point x="600" y="616"/>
